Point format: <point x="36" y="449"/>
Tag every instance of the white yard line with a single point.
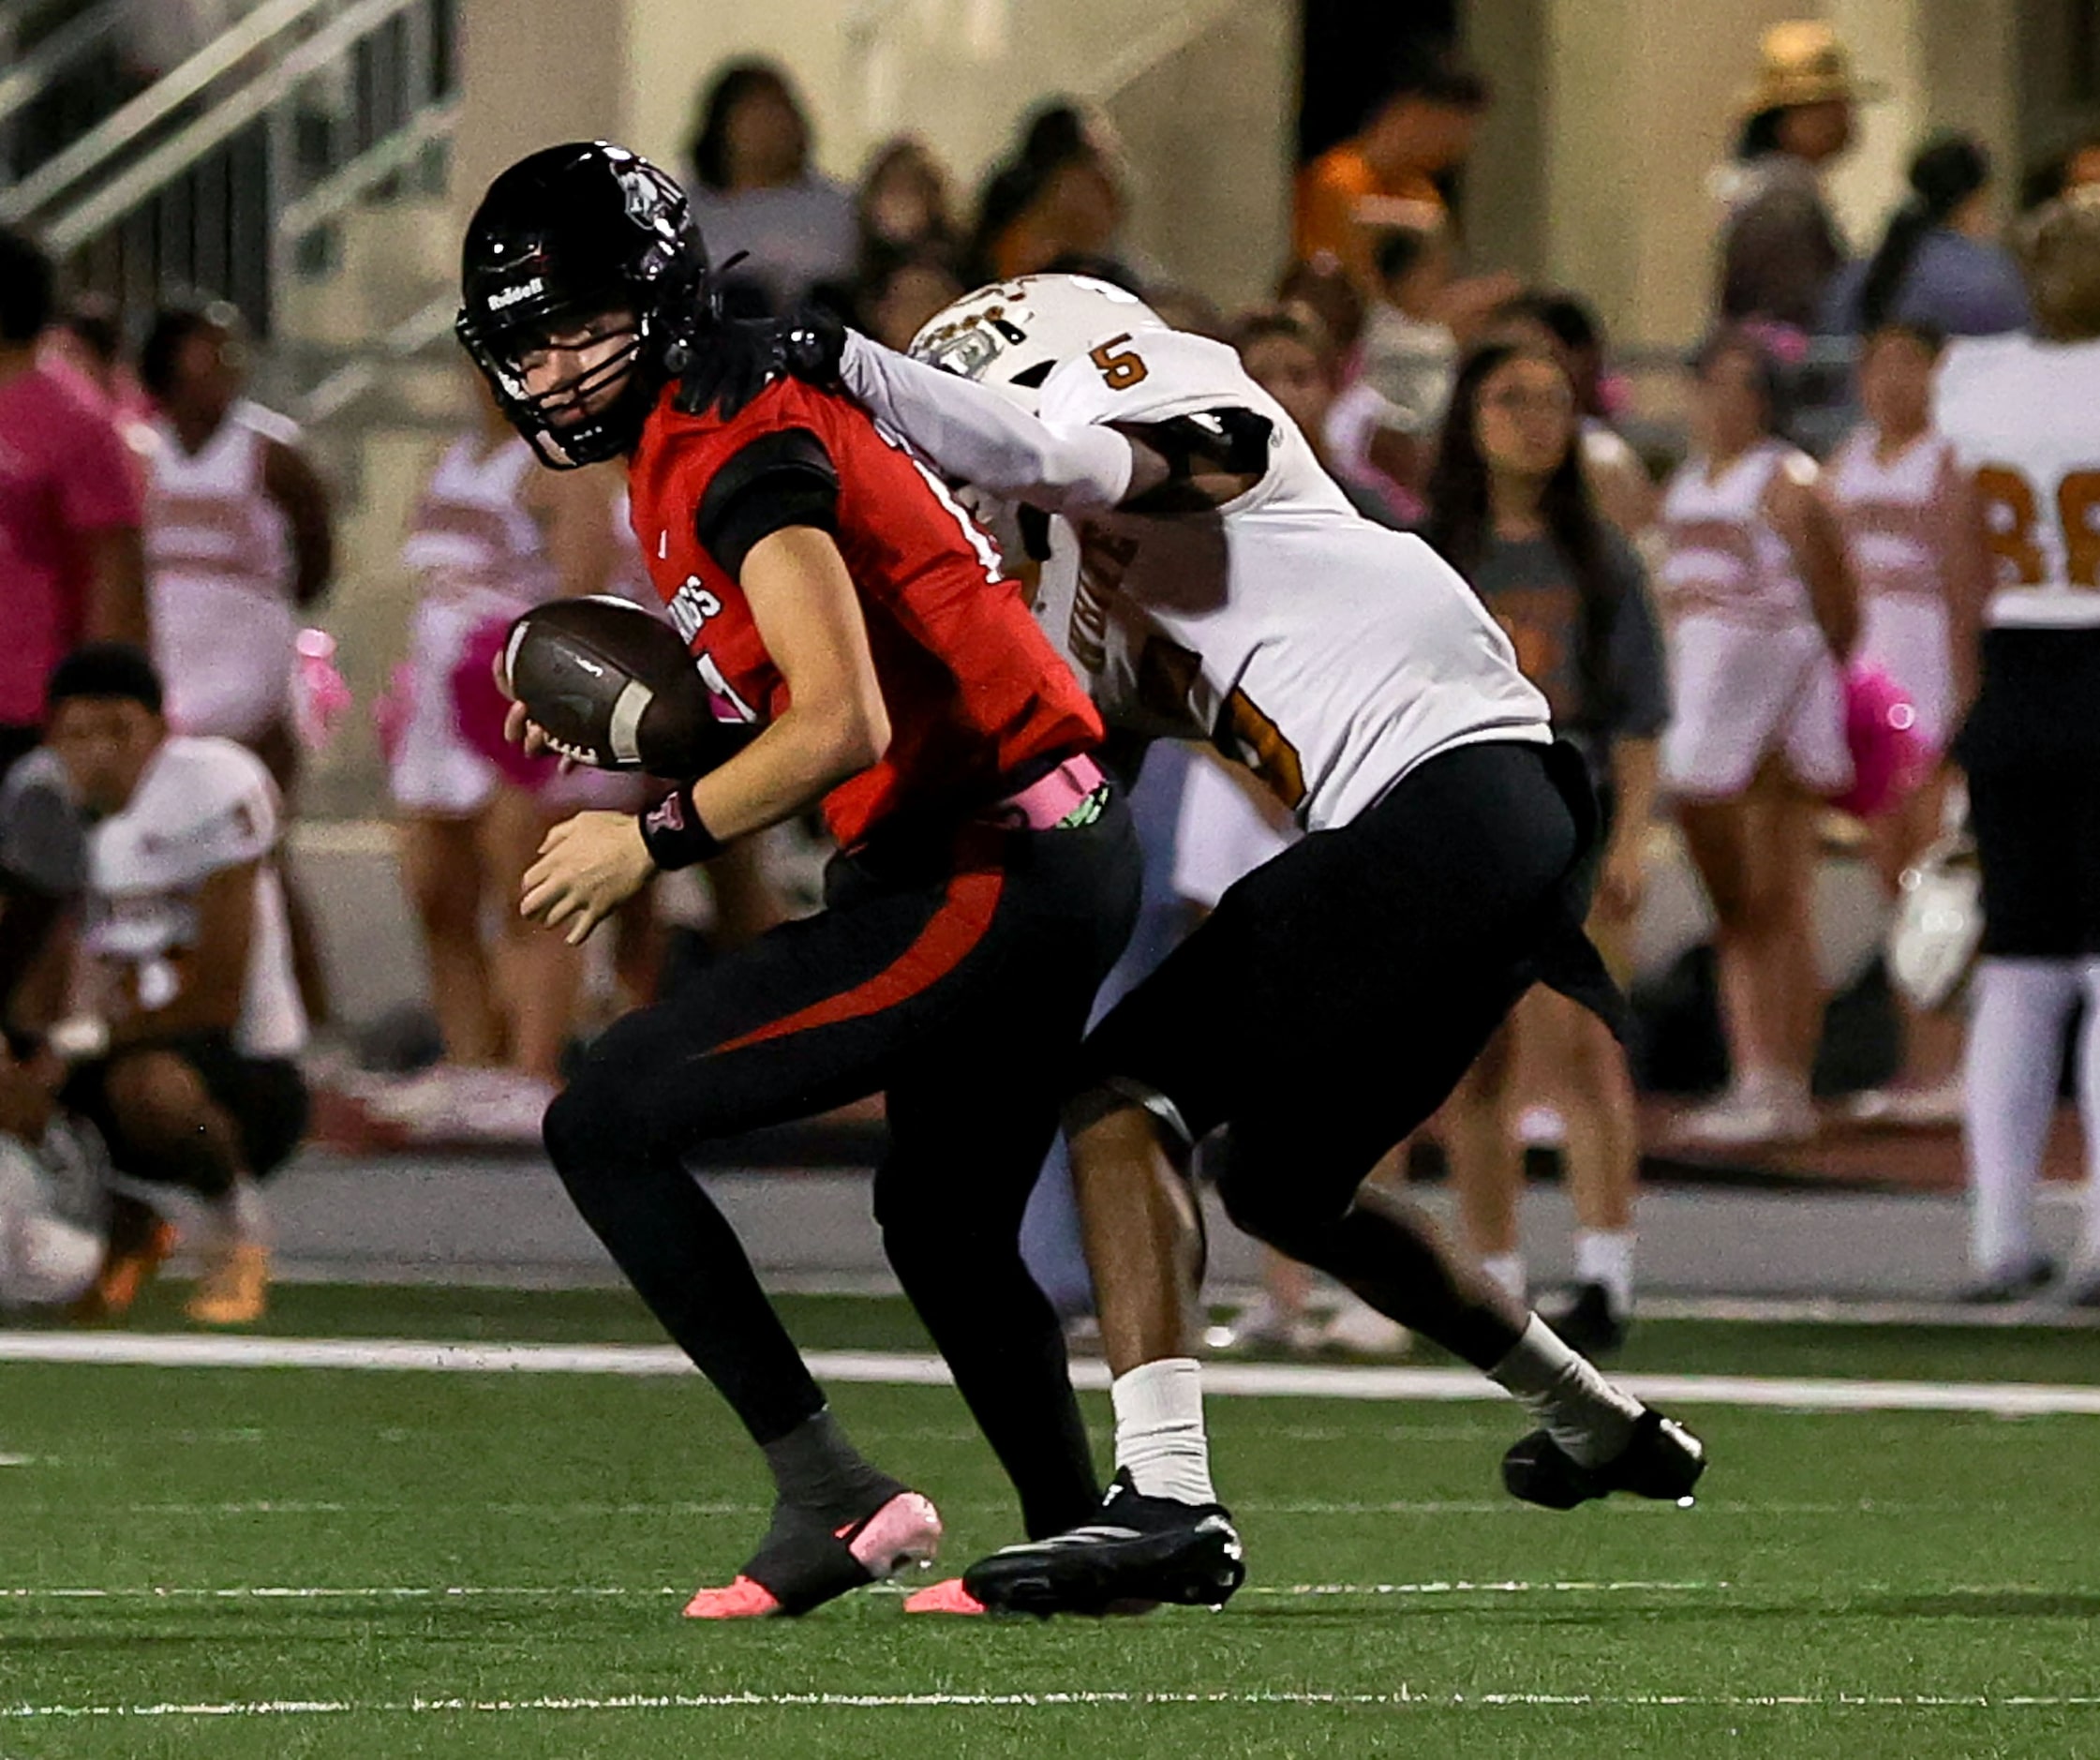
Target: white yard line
<point x="894" y="1368"/>
<point x="1403" y="1699"/>
<point x="615" y="1591"/>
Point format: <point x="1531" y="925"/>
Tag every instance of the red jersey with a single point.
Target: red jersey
<point x="973" y="688"/>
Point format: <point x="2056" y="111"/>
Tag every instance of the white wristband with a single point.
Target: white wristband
<point x="81" y="1039"/>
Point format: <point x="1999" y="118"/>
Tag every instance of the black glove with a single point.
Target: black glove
<point x="727" y="364"/>
<point x="813" y="343"/>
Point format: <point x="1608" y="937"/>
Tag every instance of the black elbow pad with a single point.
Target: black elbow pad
<point x="1228" y="440"/>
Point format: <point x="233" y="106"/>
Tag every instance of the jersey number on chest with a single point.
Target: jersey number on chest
<point x="2012" y="515"/>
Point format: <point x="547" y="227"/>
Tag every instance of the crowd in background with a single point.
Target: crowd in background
<point x="1693" y="634"/>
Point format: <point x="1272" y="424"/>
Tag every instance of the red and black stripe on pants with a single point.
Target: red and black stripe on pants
<point x="951" y="972"/>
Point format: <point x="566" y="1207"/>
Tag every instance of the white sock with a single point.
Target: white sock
<point x="1605" y="1255"/>
<point x="2088" y="1116"/>
<point x="2016" y="1032"/>
<point x="1507" y="1269"/>
<point x="241" y="1217"/>
<point x="1582" y="1412"/>
<point x="1159" y="1430"/>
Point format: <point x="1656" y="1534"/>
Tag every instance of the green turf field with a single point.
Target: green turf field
<point x="482" y="1564"/>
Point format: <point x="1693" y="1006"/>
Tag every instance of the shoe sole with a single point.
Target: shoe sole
<point x="1200" y="1571"/>
<point x="903" y="1535"/>
<point x="1660" y="1478"/>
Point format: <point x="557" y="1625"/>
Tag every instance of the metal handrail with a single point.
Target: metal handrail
<point x="118" y="130"/>
<point x="358" y="375"/>
<point x="28" y="77"/>
<point x="344" y="186"/>
<point x="139" y="181"/>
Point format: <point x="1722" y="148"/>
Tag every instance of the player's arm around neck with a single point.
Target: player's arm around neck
<point x="1186" y="464"/>
<point x="836" y="723"/>
<point x="976" y="436"/>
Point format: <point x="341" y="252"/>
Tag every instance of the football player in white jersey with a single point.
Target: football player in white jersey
<point x="186" y="1018"/>
<point x="1207" y="578"/>
<point x="2022" y="413"/>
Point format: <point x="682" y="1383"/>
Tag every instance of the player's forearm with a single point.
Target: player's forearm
<point x="788" y="768"/>
<point x="980" y="437"/>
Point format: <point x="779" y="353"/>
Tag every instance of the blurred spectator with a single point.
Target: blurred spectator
<point x="1511" y="509"/>
<point x="1287" y="353"/>
<point x="1624" y="491"/>
<point x="1323" y="288"/>
<point x="896" y="297"/>
<point x="1761" y="608"/>
<point x="1410" y="354"/>
<point x="239" y="544"/>
<point x="1938" y="263"/>
<point x="1392" y="173"/>
<point x="183" y="1049"/>
<point x="755" y="190"/>
<point x="86" y="339"/>
<point x="1185" y="308"/>
<point x="1060" y="195"/>
<point x="492" y="536"/>
<point x="240" y="538"/>
<point x="1779" y="246"/>
<point x="70" y="564"/>
<point x="1383" y="427"/>
<point x="2076" y="166"/>
<point x="1900" y="501"/>
<point x="2081" y="166"/>
<point x="904" y="206"/>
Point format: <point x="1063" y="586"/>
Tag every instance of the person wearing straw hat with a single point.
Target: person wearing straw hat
<point x="1780" y="244"/>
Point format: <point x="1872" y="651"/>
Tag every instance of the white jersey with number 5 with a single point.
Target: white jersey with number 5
<point x="2024" y="416"/>
<point x="1329" y="655"/>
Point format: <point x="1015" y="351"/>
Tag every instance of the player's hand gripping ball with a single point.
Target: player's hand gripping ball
<point x="609" y="685"/>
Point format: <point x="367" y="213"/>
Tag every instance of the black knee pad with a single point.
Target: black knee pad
<point x="1278" y="1203"/>
<point x="1257" y="1207"/>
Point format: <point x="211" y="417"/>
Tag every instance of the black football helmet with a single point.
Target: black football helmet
<point x="566" y="234"/>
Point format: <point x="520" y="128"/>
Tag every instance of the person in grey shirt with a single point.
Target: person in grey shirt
<point x="1937" y="264"/>
<point x="1510" y="508"/>
<point x="753" y="190"/>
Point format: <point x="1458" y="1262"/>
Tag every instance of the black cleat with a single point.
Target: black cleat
<point x="1662" y="1460"/>
<point x="1138" y="1549"/>
<point x="2014" y="1285"/>
<point x="1590" y="1327"/>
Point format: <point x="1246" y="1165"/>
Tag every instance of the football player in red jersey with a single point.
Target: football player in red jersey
<point x="835" y="597"/>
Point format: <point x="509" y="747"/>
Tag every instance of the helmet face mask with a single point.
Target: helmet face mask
<point x="565" y="238"/>
<point x="570" y="420"/>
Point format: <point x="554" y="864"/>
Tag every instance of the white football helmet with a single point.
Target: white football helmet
<point x="1010" y="334"/>
<point x="1938" y="925"/>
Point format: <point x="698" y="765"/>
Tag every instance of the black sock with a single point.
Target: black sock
<point x="815" y="1467"/>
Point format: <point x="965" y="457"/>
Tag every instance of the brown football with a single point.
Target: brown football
<point x="614" y="687"/>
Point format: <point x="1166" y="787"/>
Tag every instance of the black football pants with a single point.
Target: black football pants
<point x="950" y="971"/>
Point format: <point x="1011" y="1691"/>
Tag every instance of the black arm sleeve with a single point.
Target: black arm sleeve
<point x="780" y="479"/>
